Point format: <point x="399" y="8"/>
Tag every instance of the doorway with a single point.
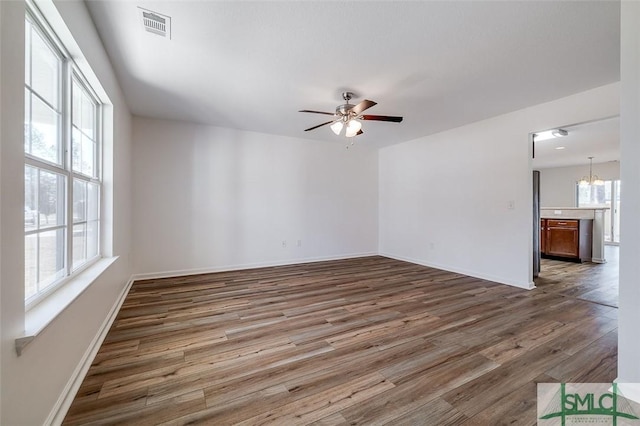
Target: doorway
<point x="562" y="160"/>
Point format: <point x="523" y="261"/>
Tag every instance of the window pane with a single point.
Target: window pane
<point x="593" y="196"/>
<point x="76" y="149"/>
<point x="30" y="265"/>
<point x="51" y="257"/>
<point x="51" y="198"/>
<point x="79" y="244"/>
<point x="76" y="105"/>
<point x="45" y="132"/>
<point x="93" y="204"/>
<point x="79" y="201"/>
<point x="92" y="239"/>
<point x="30" y="198"/>
<point x="27" y="121"/>
<point x="88" y="116"/>
<point x="45" y="70"/>
<point x="84" y="110"/>
<point x="27" y="52"/>
<point x="88" y="158"/>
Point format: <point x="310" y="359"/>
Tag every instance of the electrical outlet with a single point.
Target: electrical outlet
<point x="284" y="243"/>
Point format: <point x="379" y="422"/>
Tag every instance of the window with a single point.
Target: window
<point x="62" y="165"/>
<point x="606" y="195"/>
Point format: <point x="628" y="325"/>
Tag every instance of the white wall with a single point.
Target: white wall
<point x="444" y="199"/>
<point x="558" y="184"/>
<point x="210" y="198"/>
<point x="628" y="313"/>
<point x="32" y="383"/>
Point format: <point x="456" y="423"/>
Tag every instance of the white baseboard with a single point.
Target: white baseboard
<point x="59" y="411"/>
<point x="226" y="268"/>
<point x="492" y="278"/>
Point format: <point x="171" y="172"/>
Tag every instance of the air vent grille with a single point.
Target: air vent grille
<point x="156" y="23"/>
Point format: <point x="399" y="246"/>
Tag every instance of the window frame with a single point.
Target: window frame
<point x="69" y="74"/>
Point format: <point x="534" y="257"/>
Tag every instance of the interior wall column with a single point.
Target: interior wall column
<point x="629" y="311"/>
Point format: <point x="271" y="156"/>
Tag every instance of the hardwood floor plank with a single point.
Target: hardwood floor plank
<point x="474" y="396"/>
<point x="323" y="404"/>
<point x="597" y="363"/>
<point x="412" y="394"/>
<point x="437" y="412"/>
<point x="516" y="408"/>
<point x="335" y="419"/>
<point x="357" y="341"/>
<point x="529" y="337"/>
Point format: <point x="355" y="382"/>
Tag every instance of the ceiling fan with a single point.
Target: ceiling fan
<point x="348" y="116"/>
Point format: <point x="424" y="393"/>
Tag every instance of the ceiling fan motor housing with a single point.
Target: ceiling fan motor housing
<point x="344" y="110"/>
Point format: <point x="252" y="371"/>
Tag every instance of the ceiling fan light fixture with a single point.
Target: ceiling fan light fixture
<point x="348" y="116"/>
<point x="337" y="127"/>
<point x="353" y="127"/>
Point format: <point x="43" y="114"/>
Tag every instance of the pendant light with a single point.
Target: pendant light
<point x="592" y="179"/>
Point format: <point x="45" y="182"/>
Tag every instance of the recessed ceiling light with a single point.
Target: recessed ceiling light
<point x="559" y="147"/>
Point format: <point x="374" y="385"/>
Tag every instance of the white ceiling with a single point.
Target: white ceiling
<point x="599" y="139"/>
<point x="253" y="65"/>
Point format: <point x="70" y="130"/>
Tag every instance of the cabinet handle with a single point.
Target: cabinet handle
<point x="562" y="223"/>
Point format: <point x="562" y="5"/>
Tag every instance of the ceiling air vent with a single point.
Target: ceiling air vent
<point x="155" y="22"/>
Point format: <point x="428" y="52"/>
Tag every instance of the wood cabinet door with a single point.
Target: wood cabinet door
<point x="562" y="241"/>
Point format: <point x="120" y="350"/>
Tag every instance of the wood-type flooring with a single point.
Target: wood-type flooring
<point x="595" y="282"/>
<point x="360" y="341"/>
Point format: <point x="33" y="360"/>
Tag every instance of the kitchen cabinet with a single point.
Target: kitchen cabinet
<point x="566" y="238"/>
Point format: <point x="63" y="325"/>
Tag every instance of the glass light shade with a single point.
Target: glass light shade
<point x="597" y="181"/>
<point x="583" y="182"/>
<point x="549" y="134"/>
<point x="353" y="127"/>
<point x="336" y="127"/>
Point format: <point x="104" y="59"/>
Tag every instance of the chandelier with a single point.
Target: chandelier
<point x="592" y="179"/>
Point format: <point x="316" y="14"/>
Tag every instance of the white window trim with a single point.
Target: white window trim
<point x="43" y="301"/>
<point x="43" y="314"/>
<point x="40" y="315"/>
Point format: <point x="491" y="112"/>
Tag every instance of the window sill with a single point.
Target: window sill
<point x="40" y="316"/>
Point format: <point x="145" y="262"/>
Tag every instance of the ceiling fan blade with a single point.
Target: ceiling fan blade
<point x="382" y="118"/>
<point x="319" y="125"/>
<point x="366" y="104"/>
<point x="317" y="112"/>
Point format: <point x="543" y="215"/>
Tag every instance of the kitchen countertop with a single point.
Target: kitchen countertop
<point x="570" y="212"/>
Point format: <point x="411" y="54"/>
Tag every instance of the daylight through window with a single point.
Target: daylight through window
<point x="62" y="165"/>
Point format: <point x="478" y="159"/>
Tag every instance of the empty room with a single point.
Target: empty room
<point x="318" y="212"/>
